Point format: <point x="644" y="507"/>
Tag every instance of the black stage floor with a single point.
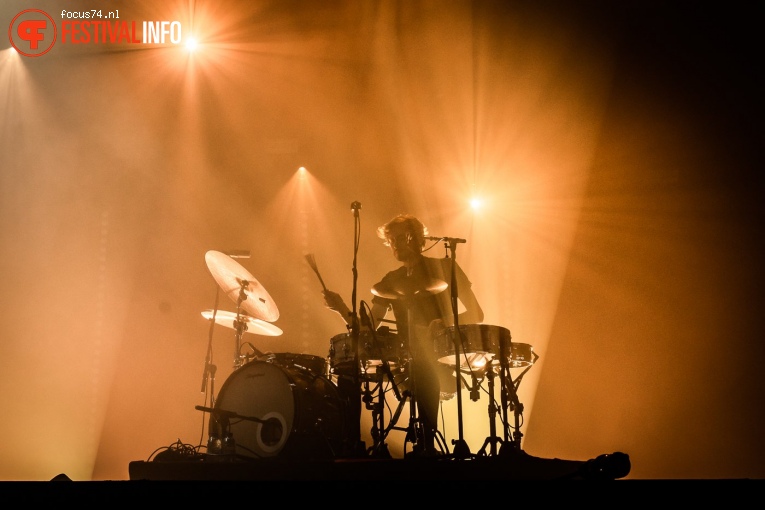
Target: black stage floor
<point x="515" y="465"/>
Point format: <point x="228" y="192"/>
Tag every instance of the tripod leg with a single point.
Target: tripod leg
<point x="379" y="433"/>
<point x="492" y="440"/>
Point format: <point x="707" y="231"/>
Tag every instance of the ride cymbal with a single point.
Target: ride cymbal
<point x="241" y="287"/>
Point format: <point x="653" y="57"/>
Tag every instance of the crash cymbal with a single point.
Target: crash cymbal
<point x="409" y="287"/>
<point x="254" y="326"/>
<point x="233" y="278"/>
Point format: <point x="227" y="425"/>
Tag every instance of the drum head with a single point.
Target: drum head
<point x="279" y="411"/>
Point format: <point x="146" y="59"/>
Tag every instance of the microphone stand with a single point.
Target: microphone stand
<point x="209" y="367"/>
<point x="461" y="449"/>
<point x="354" y="323"/>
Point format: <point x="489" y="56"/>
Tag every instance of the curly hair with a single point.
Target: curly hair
<point x="410" y="223"/>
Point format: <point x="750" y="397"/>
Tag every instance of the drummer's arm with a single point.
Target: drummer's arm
<point x="473" y="313"/>
<point x="335" y="303"/>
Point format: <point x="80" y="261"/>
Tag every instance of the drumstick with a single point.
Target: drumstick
<point x="312" y="262"/>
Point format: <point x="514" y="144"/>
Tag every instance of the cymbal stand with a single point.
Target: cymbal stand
<point x="240" y="325"/>
<point x="210" y="369"/>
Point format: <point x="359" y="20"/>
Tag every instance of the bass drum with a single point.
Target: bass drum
<point x="271" y="410"/>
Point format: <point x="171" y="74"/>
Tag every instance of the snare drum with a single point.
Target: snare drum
<point x="373" y="350"/>
<point x="479" y="344"/>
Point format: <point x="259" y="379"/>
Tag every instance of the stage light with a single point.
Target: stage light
<point x="8" y="55"/>
<point x="191" y="45"/>
<point x="476" y="203"/>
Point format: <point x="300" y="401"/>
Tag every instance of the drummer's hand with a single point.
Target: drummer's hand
<point x="335" y="302"/>
<point x="331" y="299"/>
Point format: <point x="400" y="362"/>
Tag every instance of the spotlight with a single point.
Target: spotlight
<point x="191" y="45"/>
<point x="476" y="203"/>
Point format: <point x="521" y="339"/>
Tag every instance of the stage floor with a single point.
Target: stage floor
<point x="514" y="465"/>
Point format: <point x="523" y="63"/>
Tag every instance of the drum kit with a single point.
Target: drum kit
<point x="289" y="405"/>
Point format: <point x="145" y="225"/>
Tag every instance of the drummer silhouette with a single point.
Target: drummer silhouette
<point x="418" y="296"/>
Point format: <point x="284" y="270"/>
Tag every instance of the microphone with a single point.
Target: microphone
<point x="224" y="414"/>
<point x="453" y="239"/>
<point x="238" y="254"/>
<point x="355" y="206"/>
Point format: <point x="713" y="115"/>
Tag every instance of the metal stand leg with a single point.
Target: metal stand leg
<point x="379" y="448"/>
<point x="379" y="431"/>
<point x="510" y="390"/>
<point x="492" y="440"/>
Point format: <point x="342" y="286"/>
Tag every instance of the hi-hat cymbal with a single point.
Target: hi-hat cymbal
<point x="252" y="325"/>
<point x="409" y="288"/>
<point x="233" y="279"/>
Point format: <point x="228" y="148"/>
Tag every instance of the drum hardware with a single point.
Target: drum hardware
<point x="493" y="439"/>
<point x="477" y="376"/>
<point x="413" y="430"/>
<point x="379" y="448"/>
<point x="509" y="355"/>
<point x="487" y="351"/>
<point x="223" y="441"/>
<point x="509" y="390"/>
